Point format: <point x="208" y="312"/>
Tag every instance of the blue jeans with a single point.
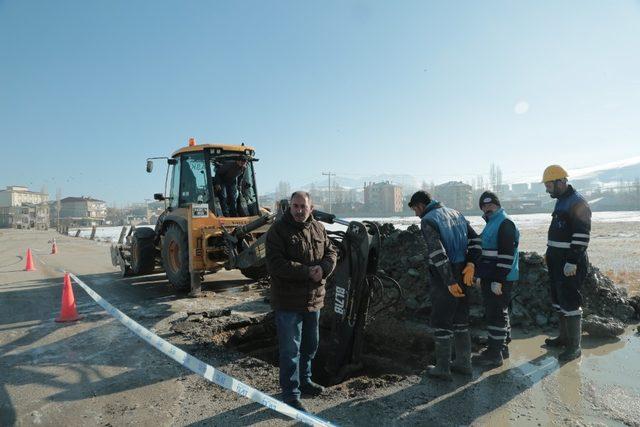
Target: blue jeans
<point x="298" y="338"/>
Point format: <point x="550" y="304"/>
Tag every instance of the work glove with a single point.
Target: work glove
<point x="467" y="274"/>
<point x="456" y="290"/>
<point x="496" y="288"/>
<point x="570" y="269"/>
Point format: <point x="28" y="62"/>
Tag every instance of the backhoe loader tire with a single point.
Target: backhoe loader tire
<point x="175" y="258"/>
<point x="255" y="273"/>
<point x="143" y="251"/>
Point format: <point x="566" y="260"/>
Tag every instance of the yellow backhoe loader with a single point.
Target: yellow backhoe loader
<point x="212" y="219"/>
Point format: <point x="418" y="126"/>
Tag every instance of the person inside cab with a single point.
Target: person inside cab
<point x="226" y="183"/>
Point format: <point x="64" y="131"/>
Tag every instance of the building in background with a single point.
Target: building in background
<point x="82" y="211"/>
<point x="26" y="216"/>
<point x="538" y="188"/>
<point x="382" y="198"/>
<point x="24" y="209"/>
<point x="16" y="195"/>
<point x="455" y="194"/>
<point x="520" y="188"/>
<point x="502" y="190"/>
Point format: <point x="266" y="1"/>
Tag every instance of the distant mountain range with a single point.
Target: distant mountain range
<point x="623" y="170"/>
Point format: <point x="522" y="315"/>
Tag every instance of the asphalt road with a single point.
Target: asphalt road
<point x="96" y="372"/>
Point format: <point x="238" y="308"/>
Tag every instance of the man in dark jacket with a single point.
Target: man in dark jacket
<point x="568" y="239"/>
<point x="300" y="256"/>
<point x="226" y="182"/>
<point x="452" y="246"/>
<point x="497" y="270"/>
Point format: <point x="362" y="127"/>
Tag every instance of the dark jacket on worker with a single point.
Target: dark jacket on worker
<point x="228" y="173"/>
<point x="500" y="257"/>
<point x="450" y="240"/>
<point x="570" y="228"/>
<point x="292" y="248"/>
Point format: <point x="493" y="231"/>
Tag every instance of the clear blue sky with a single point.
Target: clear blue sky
<point x="89" y="89"/>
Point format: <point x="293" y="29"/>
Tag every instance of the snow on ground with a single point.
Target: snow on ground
<point x="523" y="221"/>
<point x="107" y="234"/>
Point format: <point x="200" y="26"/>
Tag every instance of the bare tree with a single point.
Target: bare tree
<point x="495" y="177"/>
<point x="492" y="176"/>
<point x="58" y="197"/>
<point x="283" y="190"/>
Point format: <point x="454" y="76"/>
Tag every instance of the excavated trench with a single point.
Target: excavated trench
<point x="255" y="336"/>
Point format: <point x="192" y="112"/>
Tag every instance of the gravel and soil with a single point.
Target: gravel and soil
<point x="95" y="372"/>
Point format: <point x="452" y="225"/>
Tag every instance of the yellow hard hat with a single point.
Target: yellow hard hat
<point x="553" y="172"/>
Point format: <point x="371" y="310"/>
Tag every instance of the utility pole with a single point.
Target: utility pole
<point x="58" y="195"/>
<point x="329" y="174"/>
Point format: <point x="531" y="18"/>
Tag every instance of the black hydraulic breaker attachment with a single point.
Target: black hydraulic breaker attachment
<point x="359" y="287"/>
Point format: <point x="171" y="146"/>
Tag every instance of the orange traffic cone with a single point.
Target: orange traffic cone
<point x="68" y="311"/>
<point x="54" y="248"/>
<point x="30" y="264"/>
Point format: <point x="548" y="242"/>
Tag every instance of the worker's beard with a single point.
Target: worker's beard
<point x="487" y="215"/>
<point x="300" y="217"/>
<point x="554" y="193"/>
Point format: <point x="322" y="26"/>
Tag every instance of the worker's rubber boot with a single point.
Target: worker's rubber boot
<point x="309" y="388"/>
<point x="491" y="357"/>
<point x="462" y="362"/>
<point x="505" y="346"/>
<point x="505" y="351"/>
<point x="561" y="339"/>
<point x="441" y="370"/>
<point x="574" y="337"/>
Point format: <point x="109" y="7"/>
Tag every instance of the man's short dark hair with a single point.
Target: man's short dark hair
<point x="301" y="193"/>
<point x="420" y="197"/>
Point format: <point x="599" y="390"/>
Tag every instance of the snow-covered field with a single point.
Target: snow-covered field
<point x="104" y="234"/>
<point x="525" y="221"/>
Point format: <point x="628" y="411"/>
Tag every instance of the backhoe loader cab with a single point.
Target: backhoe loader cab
<point x="204" y="174"/>
<point x="211" y="220"/>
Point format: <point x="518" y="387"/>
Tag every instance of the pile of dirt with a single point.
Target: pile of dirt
<point x="404" y="257"/>
<point x="598" y="326"/>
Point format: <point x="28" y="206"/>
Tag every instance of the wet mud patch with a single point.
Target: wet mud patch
<point x="255" y="336"/>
